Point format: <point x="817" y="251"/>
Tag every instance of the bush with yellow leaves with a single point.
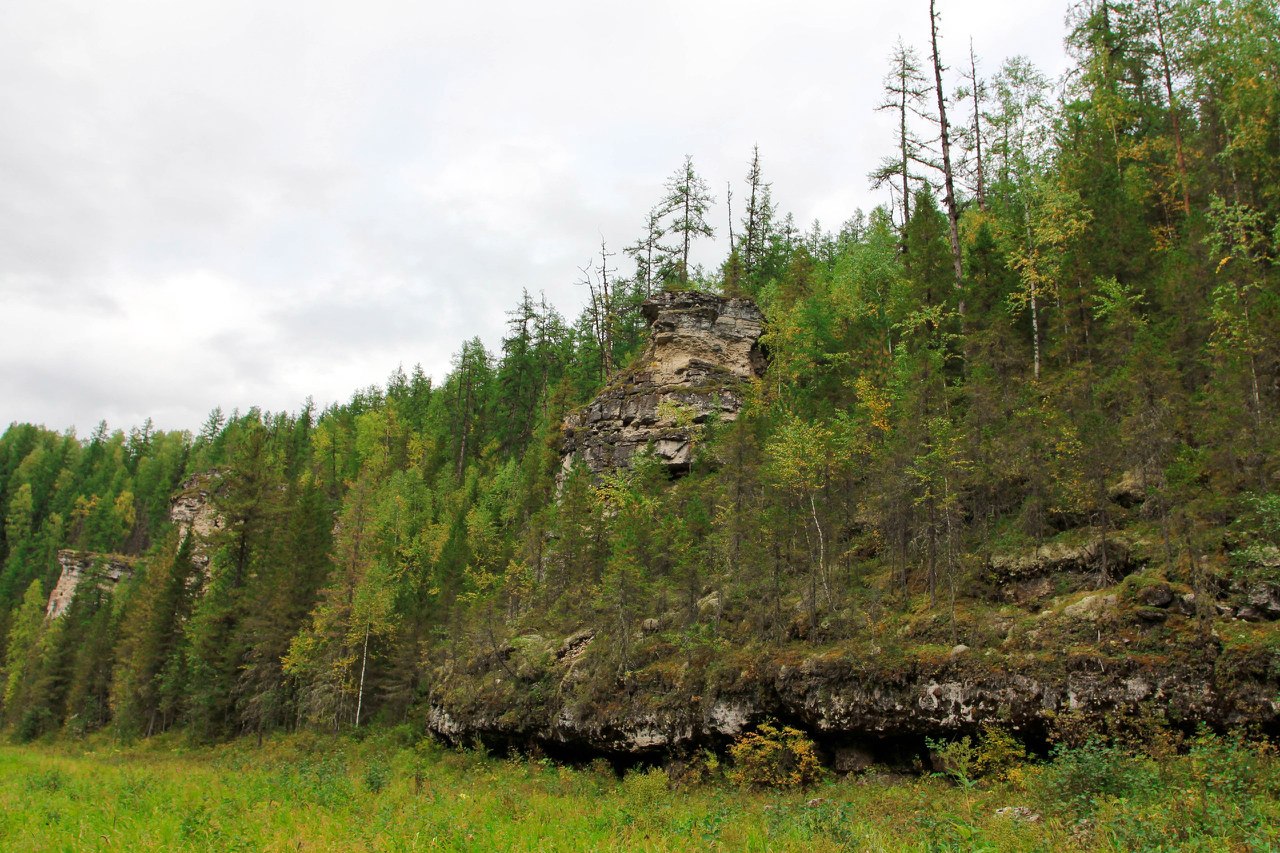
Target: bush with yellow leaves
<point x="773" y="757"/>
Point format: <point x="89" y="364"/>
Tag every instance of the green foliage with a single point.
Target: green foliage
<point x="1107" y="370"/>
<point x="376" y="776"/>
<point x="313" y="792"/>
<point x="1087" y="775"/>
<point x="993" y="755"/>
<point x="999" y="752"/>
<point x="955" y="758"/>
<point x="701" y="768"/>
<point x="23" y="646"/>
<point x="1259" y="526"/>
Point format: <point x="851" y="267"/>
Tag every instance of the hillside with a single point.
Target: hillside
<point x="1004" y="455"/>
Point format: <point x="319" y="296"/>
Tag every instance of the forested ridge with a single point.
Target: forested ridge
<point x="1061" y="336"/>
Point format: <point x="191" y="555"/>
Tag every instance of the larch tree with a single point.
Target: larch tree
<point x="975" y="91"/>
<point x="686" y="205"/>
<point x="758" y="219"/>
<point x="904" y="93"/>
<point x="330" y="656"/>
<point x="1158" y="19"/>
<point x="151" y="637"/>
<point x="650" y="256"/>
<point x="469" y="382"/>
<point x="23" y="641"/>
<point x="1057" y="218"/>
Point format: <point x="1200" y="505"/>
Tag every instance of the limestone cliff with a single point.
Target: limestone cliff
<point x="571" y="694"/>
<point x="1140" y="645"/>
<point x="106" y="570"/>
<point x="702" y="352"/>
<point x="191" y="511"/>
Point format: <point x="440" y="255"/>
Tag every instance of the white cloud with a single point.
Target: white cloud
<point x="235" y="203"/>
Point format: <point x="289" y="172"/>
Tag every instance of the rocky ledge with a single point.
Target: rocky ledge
<point x="106" y="569"/>
<point x="1145" y="648"/>
<point x="702" y="351"/>
<point x="548" y="693"/>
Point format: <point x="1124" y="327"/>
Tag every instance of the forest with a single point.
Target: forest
<point x="1061" y="331"/>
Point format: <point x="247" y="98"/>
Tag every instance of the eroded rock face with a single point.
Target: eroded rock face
<point x="191" y="510"/>
<point x="703" y="350"/>
<point x="840" y="699"/>
<point x="1031" y="575"/>
<point x="106" y="570"/>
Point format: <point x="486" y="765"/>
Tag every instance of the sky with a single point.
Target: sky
<point x="227" y="203"/>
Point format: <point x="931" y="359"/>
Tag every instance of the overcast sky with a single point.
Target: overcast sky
<point x="217" y="202"/>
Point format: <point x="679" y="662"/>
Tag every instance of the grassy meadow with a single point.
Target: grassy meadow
<point x="304" y="792"/>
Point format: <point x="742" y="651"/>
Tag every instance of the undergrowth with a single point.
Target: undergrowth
<point x="390" y="792"/>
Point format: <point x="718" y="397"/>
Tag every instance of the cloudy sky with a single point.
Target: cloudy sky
<point x="218" y="202"/>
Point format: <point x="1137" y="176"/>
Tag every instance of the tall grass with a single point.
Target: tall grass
<point x="309" y="793"/>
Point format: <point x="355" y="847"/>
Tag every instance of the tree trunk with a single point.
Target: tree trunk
<point x="902" y="144"/>
<point x="364" y="663"/>
<point x="822" y="550"/>
<point x="977" y="126"/>
<point x="1173" y="110"/>
<point x="953" y="218"/>
<point x="728" y="198"/>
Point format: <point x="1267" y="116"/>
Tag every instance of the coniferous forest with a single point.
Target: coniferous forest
<point x="1023" y="420"/>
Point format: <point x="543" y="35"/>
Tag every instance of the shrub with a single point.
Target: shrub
<point x="1138" y="730"/>
<point x="995" y="753"/>
<point x="771" y="757"/>
<point x="47" y="782"/>
<point x="376" y="776"/>
<point x="1072" y="729"/>
<point x="998" y="752"/>
<point x="1219" y="796"/>
<point x="34" y="723"/>
<point x="646" y="787"/>
<point x="1087" y="774"/>
<point x="696" y="769"/>
<point x="956" y="758"/>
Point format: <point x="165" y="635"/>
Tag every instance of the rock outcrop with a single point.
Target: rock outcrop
<point x="191" y="510"/>
<point x="704" y="349"/>
<point x="1031" y="575"/>
<point x="557" y="695"/>
<point x="106" y="570"/>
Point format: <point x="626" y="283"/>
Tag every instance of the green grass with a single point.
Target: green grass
<point x="304" y="792"/>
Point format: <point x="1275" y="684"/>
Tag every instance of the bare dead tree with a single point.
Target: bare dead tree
<point x="944" y="136"/>
<point x="728" y="200"/>
<point x="975" y="90"/>
<point x="600" y="309"/>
